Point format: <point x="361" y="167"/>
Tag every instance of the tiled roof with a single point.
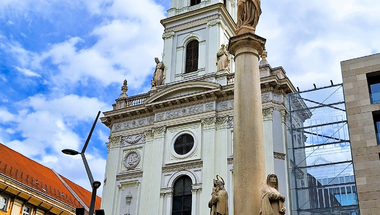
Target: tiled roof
<point x="41" y="178"/>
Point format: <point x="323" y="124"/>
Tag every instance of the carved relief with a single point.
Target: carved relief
<point x="196" y="109"/>
<point x="177" y="168"/>
<point x="133" y="124"/>
<point x="129" y="176"/>
<point x="160" y="116"/>
<point x="221" y="120"/>
<point x="131" y="159"/>
<point x="265" y="97"/>
<point x="267" y="113"/>
<point x="278" y="155"/>
<point x="159" y="130"/>
<point x="149" y="134"/>
<point x="209" y="106"/>
<point x="209" y="121"/>
<point x="230" y="122"/>
<point x="168" y="35"/>
<point x="173" y="114"/>
<point x="223" y="105"/>
<point x="114" y="141"/>
<point x="133" y="139"/>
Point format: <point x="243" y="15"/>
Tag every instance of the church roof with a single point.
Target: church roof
<point x="43" y="179"/>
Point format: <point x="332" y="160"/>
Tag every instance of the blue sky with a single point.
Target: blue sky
<point x="63" y="60"/>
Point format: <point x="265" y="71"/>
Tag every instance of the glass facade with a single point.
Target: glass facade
<point x="322" y="175"/>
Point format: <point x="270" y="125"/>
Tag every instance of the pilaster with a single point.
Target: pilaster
<point x="208" y="156"/>
<point x="152" y="167"/>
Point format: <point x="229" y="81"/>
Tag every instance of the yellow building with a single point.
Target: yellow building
<point x="29" y="188"/>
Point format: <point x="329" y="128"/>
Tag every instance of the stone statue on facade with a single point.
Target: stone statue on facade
<point x="219" y="198"/>
<point x="222" y="59"/>
<point x="248" y="15"/>
<point x="159" y="74"/>
<point x="272" y="202"/>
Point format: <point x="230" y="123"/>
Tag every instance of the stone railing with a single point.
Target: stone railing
<point x="130" y="101"/>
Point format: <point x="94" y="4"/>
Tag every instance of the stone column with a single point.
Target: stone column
<point x="249" y="154"/>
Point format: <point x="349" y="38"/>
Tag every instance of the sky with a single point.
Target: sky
<point x="61" y="61"/>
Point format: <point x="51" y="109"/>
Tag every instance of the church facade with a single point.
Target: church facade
<point x="167" y="145"/>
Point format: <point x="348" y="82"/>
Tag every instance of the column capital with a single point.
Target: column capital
<point x="246" y="43"/>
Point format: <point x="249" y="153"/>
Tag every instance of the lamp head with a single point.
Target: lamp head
<point x="96" y="184"/>
<point x="70" y="152"/>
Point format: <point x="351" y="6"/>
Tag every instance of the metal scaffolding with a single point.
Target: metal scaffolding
<point x="321" y="169"/>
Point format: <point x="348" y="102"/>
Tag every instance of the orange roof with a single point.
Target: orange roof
<point x="41" y="178"/>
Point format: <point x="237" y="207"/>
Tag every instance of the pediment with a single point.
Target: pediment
<point x="182" y="90"/>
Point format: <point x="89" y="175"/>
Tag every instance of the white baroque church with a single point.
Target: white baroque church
<point x="167" y="145"/>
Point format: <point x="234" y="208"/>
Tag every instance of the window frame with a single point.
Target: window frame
<point x="188" y="154"/>
<point x="184" y="196"/>
<point x="376" y="119"/>
<point x="373" y="78"/>
<point x="192" y="56"/>
<point x="5" y="203"/>
<point x="26" y="212"/>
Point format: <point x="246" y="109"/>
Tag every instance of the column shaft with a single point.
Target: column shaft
<point x="249" y="154"/>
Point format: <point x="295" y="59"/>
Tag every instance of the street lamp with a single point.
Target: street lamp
<point x="94" y="184"/>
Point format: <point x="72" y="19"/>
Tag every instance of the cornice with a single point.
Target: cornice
<point x="222" y="13"/>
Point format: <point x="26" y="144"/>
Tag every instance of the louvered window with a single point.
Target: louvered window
<point x="194" y="2"/>
<point x="192" y="56"/>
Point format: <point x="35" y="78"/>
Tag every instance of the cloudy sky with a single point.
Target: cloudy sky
<point x="63" y="60"/>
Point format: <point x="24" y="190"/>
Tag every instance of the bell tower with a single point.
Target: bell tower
<point x="194" y="32"/>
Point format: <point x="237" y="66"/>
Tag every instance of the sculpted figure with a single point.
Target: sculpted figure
<point x="219" y="198"/>
<point x="272" y="202"/>
<point x="248" y="14"/>
<point x="222" y="59"/>
<point x="159" y="74"/>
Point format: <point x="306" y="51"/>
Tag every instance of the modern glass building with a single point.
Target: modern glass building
<point x="322" y="173"/>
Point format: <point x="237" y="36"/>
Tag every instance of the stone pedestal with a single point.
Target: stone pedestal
<point x="249" y="154"/>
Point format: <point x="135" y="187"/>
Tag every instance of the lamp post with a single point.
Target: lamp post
<point x="94" y="184"/>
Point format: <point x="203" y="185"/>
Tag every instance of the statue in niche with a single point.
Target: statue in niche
<point x="272" y="202"/>
<point x="248" y="15"/>
<point x="159" y="73"/>
<point x="222" y="59"/>
<point x="219" y="198"/>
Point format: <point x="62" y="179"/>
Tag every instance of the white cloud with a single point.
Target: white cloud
<point x="6" y="116"/>
<point x="27" y="72"/>
<point x="310" y="38"/>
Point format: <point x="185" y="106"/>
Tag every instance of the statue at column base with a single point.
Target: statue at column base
<point x="272" y="202"/>
<point x="219" y="198"/>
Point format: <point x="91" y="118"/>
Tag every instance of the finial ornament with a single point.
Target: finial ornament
<point x="124" y="88"/>
<point x="248" y="14"/>
<point x="264" y="55"/>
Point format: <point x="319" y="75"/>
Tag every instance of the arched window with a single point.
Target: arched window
<point x="192" y="56"/>
<point x="194" y="2"/>
<point x="182" y="196"/>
